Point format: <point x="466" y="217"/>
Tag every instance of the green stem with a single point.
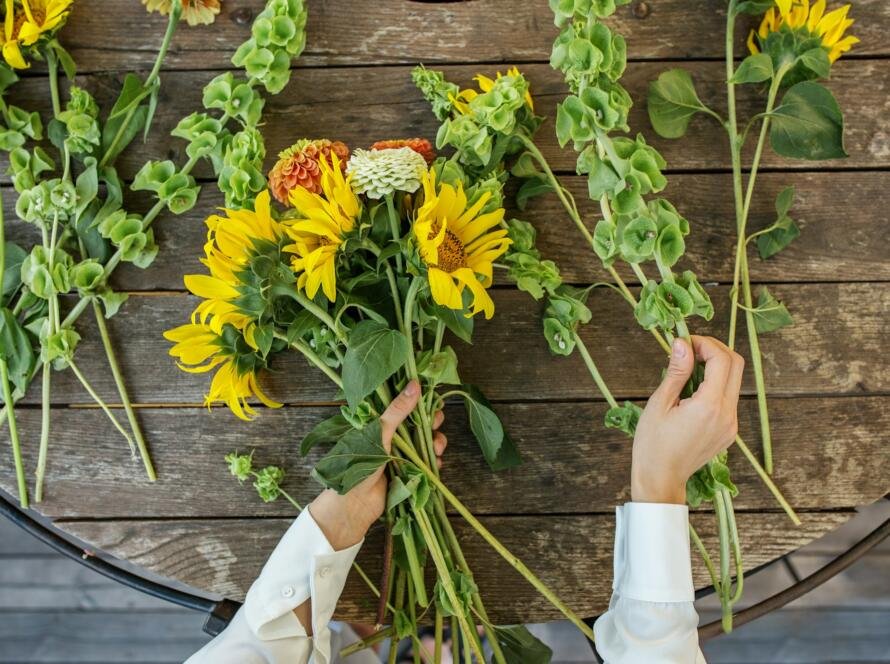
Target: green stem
<point x="736" y="551"/>
<point x="705" y="556"/>
<point x="425" y="427"/>
<point x="14" y="435"/>
<point x="394" y="226"/>
<point x="98" y="400"/>
<point x="122" y="391"/>
<point x="172" y="22"/>
<point x="514" y="562"/>
<point x="414" y="567"/>
<point x="52" y="65"/>
<point x="767" y="480"/>
<point x="437" y="630"/>
<point x="594" y="371"/>
<point x="725" y="578"/>
<point x="44" y="433"/>
<point x="422" y="520"/>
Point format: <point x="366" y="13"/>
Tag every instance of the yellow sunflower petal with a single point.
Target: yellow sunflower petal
<point x="443" y="289"/>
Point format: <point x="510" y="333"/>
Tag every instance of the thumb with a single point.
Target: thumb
<point x="678" y="372"/>
<point x="398" y="410"/>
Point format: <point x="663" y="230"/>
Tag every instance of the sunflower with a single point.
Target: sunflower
<point x="464" y="97"/>
<point x="457" y="244"/>
<point x="321" y="227"/>
<point x="25" y="24"/>
<point x="199" y="349"/>
<point x="813" y="21"/>
<point x="194" y="12"/>
<point x="232" y="241"/>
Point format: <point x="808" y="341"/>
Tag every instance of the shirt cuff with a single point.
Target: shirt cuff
<point x="303" y="565"/>
<point x="652" y="558"/>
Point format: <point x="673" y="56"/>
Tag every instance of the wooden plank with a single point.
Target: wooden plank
<point x="793" y="636"/>
<point x="836" y="346"/>
<point x="828" y="249"/>
<point x="337" y="103"/>
<point x="563" y="445"/>
<point x="344" y="32"/>
<point x="571" y="554"/>
<point x="100" y="637"/>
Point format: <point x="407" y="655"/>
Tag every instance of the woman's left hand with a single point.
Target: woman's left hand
<point x="346" y="519"/>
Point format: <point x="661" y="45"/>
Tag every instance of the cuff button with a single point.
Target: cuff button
<point x="324" y="572"/>
<point x="287" y="591"/>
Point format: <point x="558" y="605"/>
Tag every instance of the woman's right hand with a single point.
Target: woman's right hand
<point x="675" y="437"/>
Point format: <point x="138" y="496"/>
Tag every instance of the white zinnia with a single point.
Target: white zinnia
<point x="378" y="173"/>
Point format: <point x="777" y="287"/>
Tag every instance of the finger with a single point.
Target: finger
<point x="440" y="442"/>
<point x="678" y="372"/>
<point x="717" y="359"/>
<point x="438" y="419"/>
<point x="734" y="384"/>
<point x="439" y="463"/>
<point x="398" y="410"/>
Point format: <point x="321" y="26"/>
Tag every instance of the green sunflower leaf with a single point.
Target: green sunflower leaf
<point x="520" y="646"/>
<point x="783" y="232"/>
<point x="770" y="314"/>
<point x="497" y="447"/>
<point x="375" y="353"/>
<point x="754" y="69"/>
<point x="355" y="457"/>
<point x="325" y="432"/>
<point x="808" y="124"/>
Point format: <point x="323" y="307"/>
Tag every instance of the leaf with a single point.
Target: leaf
<point x="16" y="349"/>
<point x="533" y="186"/>
<point x="325" y="432"/>
<point x="754" y="69"/>
<point x="780" y="236"/>
<point x="459" y="325"/>
<point x="770" y="314"/>
<point x="12" y="269"/>
<point x="397" y="493"/>
<point x="109" y="131"/>
<point x="439" y="368"/>
<point x="65" y="59"/>
<point x="784" y="201"/>
<point x="808" y="124"/>
<point x="355" y="457"/>
<point x="86" y="186"/>
<point x="520" y="646"/>
<point x="152" y="107"/>
<point x="817" y="61"/>
<point x="497" y="447"/>
<point x="375" y="352"/>
<point x="672" y="102"/>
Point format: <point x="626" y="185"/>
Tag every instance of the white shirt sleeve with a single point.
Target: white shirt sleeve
<point x="265" y="630"/>
<point x="651" y="617"/>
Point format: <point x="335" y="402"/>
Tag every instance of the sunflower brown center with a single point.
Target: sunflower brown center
<point x="451" y="253"/>
<point x="20" y="18"/>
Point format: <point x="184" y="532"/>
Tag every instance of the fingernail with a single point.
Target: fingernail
<point x="678" y="349"/>
<point x="411" y="388"/>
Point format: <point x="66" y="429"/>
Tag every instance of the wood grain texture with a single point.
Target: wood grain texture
<point x="572" y="554"/>
<point x="836" y="346"/>
<point x="360" y="105"/>
<point x="563" y="445"/>
<point x="392" y="31"/>
<point x="835" y="245"/>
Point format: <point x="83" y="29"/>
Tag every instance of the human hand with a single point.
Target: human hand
<point x="346" y="519"/>
<point x="675" y="437"/>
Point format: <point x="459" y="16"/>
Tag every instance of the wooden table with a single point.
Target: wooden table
<point x="828" y="375"/>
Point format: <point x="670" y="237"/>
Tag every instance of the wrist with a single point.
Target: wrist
<point x="333" y="515"/>
<point x="644" y="489"/>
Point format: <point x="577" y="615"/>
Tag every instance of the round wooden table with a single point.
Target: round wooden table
<point x="828" y="375"/>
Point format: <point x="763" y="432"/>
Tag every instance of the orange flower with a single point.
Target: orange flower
<point x="298" y="166"/>
<point x="420" y="145"/>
